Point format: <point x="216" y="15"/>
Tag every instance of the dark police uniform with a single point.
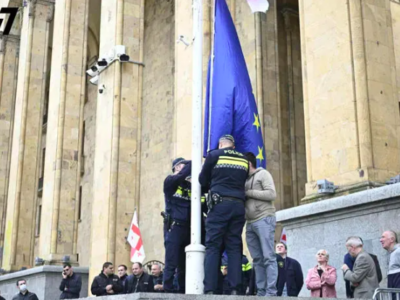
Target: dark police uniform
<point x="224" y="173"/>
<point x="176" y="234"/>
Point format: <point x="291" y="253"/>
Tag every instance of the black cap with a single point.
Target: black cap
<point x="227" y="137"/>
<point x="176" y="162"/>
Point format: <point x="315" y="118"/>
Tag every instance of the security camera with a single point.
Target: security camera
<point x="102" y="63"/>
<point x="123" y="58"/>
<point x="102" y="88"/>
<point x="93" y="71"/>
<point x="94" y="80"/>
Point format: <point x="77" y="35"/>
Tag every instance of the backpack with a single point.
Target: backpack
<point x="377" y="267"/>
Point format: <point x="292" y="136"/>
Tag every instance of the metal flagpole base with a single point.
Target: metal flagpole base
<point x="195" y="269"/>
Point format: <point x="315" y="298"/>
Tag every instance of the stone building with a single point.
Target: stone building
<point x="76" y="163"/>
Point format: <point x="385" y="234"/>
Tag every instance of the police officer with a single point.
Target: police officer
<point x="176" y="224"/>
<point x="224" y="173"/>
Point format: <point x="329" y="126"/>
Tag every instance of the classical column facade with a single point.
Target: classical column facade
<point x="351" y="109"/>
<point x="60" y="202"/>
<point x="117" y="134"/>
<point x="25" y="153"/>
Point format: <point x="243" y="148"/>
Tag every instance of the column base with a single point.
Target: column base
<point x="14" y="268"/>
<point x="341" y="191"/>
<point x="59" y="259"/>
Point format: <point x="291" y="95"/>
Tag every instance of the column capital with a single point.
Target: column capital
<point x="287" y="13"/>
<point x="8" y="38"/>
<point x="50" y="3"/>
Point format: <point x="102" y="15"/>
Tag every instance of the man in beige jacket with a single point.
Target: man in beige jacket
<point x="260" y="228"/>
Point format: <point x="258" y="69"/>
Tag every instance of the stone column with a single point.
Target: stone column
<point x="351" y="112"/>
<point x="9" y="52"/>
<point x="293" y="96"/>
<point x="117" y="123"/>
<point x="27" y="132"/>
<point x="65" y="119"/>
<point x="271" y="99"/>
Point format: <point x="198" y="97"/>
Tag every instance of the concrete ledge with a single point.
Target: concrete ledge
<point x="358" y="199"/>
<point x="41" y="269"/>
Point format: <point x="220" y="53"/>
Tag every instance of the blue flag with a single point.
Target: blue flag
<point x="230" y="104"/>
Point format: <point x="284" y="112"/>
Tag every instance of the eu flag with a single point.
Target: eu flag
<point x="230" y="104"/>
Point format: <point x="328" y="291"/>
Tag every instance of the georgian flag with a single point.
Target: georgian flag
<point x="136" y="242"/>
<point x="283" y="236"/>
<point x="258" y="5"/>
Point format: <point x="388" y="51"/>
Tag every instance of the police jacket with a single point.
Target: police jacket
<point x="289" y="273"/>
<point x="225" y="172"/>
<point x="246" y="274"/>
<point x="71" y="287"/>
<point x="28" y="296"/>
<point x="177" y="195"/>
<point x="142" y="284"/>
<point x="101" y="281"/>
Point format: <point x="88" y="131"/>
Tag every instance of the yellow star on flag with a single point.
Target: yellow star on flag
<point x="256" y="122"/>
<point x="260" y="154"/>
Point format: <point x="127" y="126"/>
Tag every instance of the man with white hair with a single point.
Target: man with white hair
<point x="157" y="273"/>
<point x="389" y="242"/>
<point x="363" y="277"/>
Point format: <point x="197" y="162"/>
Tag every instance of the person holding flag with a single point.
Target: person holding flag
<point x="224" y="173"/>
<point x="176" y="223"/>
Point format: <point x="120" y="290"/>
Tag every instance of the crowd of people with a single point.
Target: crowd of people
<point x="235" y="193"/>
<point x="361" y="272"/>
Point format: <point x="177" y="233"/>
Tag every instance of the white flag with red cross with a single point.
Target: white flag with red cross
<point x="283" y="236"/>
<point x="136" y="242"/>
<point x="258" y="5"/>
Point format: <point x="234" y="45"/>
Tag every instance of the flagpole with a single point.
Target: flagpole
<point x="211" y="76"/>
<point x="195" y="251"/>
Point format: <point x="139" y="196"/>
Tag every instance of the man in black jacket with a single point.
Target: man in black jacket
<point x="139" y="281"/>
<point x="24" y="294"/>
<point x="71" y="284"/>
<point x="123" y="276"/>
<point x="106" y="283"/>
<point x="290" y="276"/>
<point x="224" y="173"/>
